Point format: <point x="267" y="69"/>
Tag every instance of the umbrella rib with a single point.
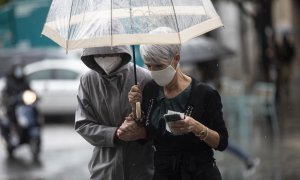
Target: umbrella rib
<point x="176" y="21"/>
<point x="47" y="17"/>
<point x="69" y="29"/>
<point x="131" y="23"/>
<point x="111" y="26"/>
<point x="148" y="8"/>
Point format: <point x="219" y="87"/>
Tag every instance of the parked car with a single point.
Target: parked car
<point x="56" y="83"/>
<point x="9" y="56"/>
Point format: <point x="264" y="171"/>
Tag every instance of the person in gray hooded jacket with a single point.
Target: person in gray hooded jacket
<point x="102" y="108"/>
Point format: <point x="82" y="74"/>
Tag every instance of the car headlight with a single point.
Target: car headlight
<point x="29" y="97"/>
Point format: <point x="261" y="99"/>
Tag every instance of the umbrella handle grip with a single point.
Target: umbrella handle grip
<point x="138" y="110"/>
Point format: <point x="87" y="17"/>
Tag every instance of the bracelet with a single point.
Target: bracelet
<point x="203" y="134"/>
<point x="203" y="138"/>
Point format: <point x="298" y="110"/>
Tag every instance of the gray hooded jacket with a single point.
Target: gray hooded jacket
<point x="102" y="107"/>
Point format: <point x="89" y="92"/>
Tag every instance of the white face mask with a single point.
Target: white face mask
<point x="163" y="77"/>
<point x="108" y="64"/>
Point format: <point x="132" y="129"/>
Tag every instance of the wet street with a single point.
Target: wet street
<point x="65" y="154"/>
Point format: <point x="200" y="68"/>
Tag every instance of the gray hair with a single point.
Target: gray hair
<point x="159" y="53"/>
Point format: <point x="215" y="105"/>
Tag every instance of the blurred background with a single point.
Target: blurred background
<point x="253" y="61"/>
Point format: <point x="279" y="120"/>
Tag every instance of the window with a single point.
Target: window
<point x="65" y="74"/>
<point x="40" y="75"/>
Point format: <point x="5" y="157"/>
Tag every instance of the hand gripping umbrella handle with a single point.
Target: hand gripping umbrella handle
<point x="138" y="110"/>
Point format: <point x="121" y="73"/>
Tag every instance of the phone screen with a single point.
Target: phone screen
<point x="172" y="117"/>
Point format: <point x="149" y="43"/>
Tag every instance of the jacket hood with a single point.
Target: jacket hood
<point x="87" y="56"/>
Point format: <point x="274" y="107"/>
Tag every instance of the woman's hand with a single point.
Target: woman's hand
<point x="130" y="131"/>
<point x="134" y="96"/>
<point x="187" y="125"/>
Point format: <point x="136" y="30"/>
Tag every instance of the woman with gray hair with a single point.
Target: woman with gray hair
<point x="183" y="147"/>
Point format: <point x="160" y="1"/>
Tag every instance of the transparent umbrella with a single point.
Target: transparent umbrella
<point x="90" y="23"/>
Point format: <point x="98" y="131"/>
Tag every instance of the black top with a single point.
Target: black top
<point x="163" y="104"/>
<point x="203" y="104"/>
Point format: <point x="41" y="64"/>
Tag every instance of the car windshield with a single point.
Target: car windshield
<point x="65" y="74"/>
<point x="53" y="74"/>
<point x="41" y="75"/>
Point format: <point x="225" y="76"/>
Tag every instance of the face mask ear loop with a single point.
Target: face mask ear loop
<point x="172" y="61"/>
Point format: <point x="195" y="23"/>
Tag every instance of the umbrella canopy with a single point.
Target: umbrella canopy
<point x="202" y="49"/>
<point x="80" y="24"/>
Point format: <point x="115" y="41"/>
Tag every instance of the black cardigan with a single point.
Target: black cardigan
<point x="204" y="105"/>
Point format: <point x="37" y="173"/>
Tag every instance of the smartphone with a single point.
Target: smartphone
<point x="172" y="117"/>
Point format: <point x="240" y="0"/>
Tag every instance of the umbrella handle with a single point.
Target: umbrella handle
<point x="138" y="110"/>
